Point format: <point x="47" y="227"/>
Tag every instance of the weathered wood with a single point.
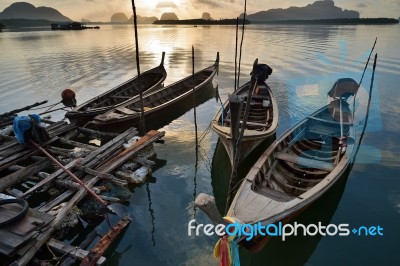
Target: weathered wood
<point x="104" y="176"/>
<point x="144" y="161"/>
<point x="42" y="238"/>
<point x="51" y="177"/>
<point x="304" y="161"/>
<point x="105" y="242"/>
<point x="97" y="133"/>
<point x="117" y="161"/>
<point x="60" y="198"/>
<point x="22" y="174"/>
<point x="207" y="204"/>
<point x="78" y="144"/>
<point x="74" y="252"/>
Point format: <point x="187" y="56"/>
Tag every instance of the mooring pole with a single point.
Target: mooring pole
<point x="241" y="43"/>
<point x="142" y="126"/>
<point x="236" y="48"/>
<point x="197" y="139"/>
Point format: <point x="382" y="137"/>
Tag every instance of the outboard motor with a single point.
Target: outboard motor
<point x="262" y="71"/>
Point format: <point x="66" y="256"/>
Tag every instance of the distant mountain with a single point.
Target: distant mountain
<point x="144" y="20"/>
<point x="206" y="16"/>
<point x="22" y="10"/>
<point x="324" y="9"/>
<point x="169" y="16"/>
<point x="119" y="17"/>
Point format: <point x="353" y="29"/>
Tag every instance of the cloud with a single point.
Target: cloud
<point x="207" y="3"/>
<point x="166" y="4"/>
<point x="361" y="5"/>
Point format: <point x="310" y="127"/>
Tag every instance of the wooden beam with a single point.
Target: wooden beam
<point x="42" y="238"/>
<point x="22" y="174"/>
<point x="105" y="242"/>
<point x="74" y="252"/>
<point x="87" y="131"/>
<point x="118" y="160"/>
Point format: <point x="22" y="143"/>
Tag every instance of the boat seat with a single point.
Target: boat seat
<point x="304" y="161"/>
<point x="249" y="123"/>
<point x="323" y="130"/>
<point x="329" y="121"/>
<point x="125" y="110"/>
<point x="121" y="97"/>
<point x="273" y="194"/>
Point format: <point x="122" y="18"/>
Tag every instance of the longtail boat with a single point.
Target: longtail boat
<point x="261" y="122"/>
<point x="157" y="104"/>
<point x="297" y="169"/>
<point x="150" y="80"/>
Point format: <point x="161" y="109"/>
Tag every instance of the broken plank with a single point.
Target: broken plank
<point x="105" y="242"/>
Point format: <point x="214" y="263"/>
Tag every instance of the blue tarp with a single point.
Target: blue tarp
<point x="22" y="124"/>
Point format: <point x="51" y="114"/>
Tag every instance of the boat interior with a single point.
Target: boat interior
<point x="167" y="94"/>
<point x="306" y="155"/>
<point x="125" y="91"/>
<point x="260" y="112"/>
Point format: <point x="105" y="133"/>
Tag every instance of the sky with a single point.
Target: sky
<point x="102" y="10"/>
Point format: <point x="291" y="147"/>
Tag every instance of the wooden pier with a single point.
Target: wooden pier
<point x="26" y="172"/>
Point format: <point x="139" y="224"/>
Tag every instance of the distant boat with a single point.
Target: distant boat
<point x="157" y="104"/>
<point x="262" y="120"/>
<point x="299" y="167"/>
<point x="150" y="80"/>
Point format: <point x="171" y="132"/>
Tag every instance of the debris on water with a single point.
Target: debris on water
<point x="137" y="177"/>
<point x="72" y="218"/>
<point x="132" y="166"/>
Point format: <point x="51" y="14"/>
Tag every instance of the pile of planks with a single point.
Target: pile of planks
<point x="22" y="173"/>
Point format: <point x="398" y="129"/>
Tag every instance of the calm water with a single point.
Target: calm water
<point x="38" y="65"/>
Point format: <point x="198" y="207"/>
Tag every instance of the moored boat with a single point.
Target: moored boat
<point x="156" y="104"/>
<point x="150" y="80"/>
<point x="298" y="168"/>
<point x="262" y="118"/>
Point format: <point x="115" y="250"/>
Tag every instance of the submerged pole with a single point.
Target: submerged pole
<point x="197" y="139"/>
<point x="142" y="126"/>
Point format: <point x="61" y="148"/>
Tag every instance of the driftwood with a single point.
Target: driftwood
<point x="105" y="242"/>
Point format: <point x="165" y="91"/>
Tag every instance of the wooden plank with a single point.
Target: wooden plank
<point x="42" y="238"/>
<point x="105" y="242"/>
<point x="97" y="133"/>
<point x="51" y="177"/>
<point x="62" y="197"/>
<point x="22" y="174"/>
<point x="304" y="161"/>
<point x="74" y="252"/>
<point x="117" y="161"/>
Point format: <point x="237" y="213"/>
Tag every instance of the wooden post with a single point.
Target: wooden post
<point x="241" y="43"/>
<point x="237" y="35"/>
<point x="142" y="126"/>
<point x="207" y="204"/>
<point x="236" y="142"/>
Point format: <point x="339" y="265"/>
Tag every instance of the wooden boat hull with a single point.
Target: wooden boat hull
<point x="170" y="97"/>
<point x="282" y="206"/>
<point x="151" y="80"/>
<point x="252" y="136"/>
